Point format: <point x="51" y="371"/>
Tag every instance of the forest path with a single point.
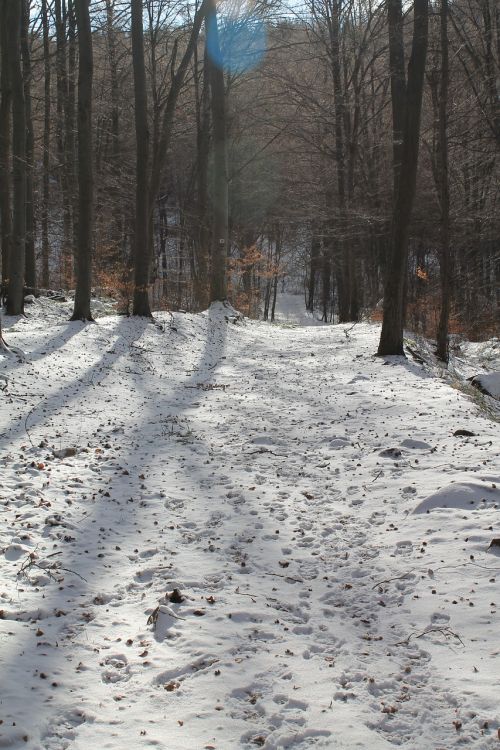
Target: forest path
<point x="279" y="478"/>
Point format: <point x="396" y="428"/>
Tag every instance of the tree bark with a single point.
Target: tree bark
<point x="71" y="218"/>
<point x="313" y="268"/>
<point x="220" y="236"/>
<point x="142" y="259"/>
<point x="5" y="139"/>
<point x="83" y="258"/>
<point x="46" y="148"/>
<point x="30" y="273"/>
<point x="60" y="22"/>
<point x="442" y="349"/>
<point x="15" y="287"/>
<point x="391" y="338"/>
<point x="202" y="156"/>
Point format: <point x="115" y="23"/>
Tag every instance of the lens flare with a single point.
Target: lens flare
<point x="241" y="42"/>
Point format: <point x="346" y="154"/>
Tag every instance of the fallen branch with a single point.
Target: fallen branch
<point x="51" y="569"/>
<point x="447" y="632"/>
<point x="264" y="450"/>
<point x="28" y="415"/>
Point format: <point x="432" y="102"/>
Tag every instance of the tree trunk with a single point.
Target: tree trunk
<point x="391" y="338"/>
<point x="60" y="18"/>
<point x="30" y="273"/>
<point x="220" y="235"/>
<point x="202" y="155"/>
<point x="141" y="245"/>
<point x="313" y="267"/>
<point x="15" y="288"/>
<point x="5" y="139"/>
<point x="343" y="276"/>
<point x="71" y="201"/>
<point x="442" y="350"/>
<point x="83" y="259"/>
<point x="46" y="148"/>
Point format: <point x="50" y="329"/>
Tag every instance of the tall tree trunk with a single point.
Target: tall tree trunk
<point x="70" y="198"/>
<point x="391" y="338"/>
<point x="343" y="276"/>
<point x="60" y="20"/>
<point x="313" y="268"/>
<point x="46" y="148"/>
<point x="220" y="236"/>
<point x="277" y="260"/>
<point x="141" y="245"/>
<point x="30" y="274"/>
<point x="15" y="288"/>
<point x="5" y="138"/>
<point x="83" y="258"/>
<point x="202" y="156"/>
<point x="442" y="350"/>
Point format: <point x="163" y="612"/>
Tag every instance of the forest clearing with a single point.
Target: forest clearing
<point x="222" y="533"/>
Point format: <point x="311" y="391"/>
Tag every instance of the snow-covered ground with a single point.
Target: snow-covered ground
<point x="324" y="515"/>
<point x="290" y="310"/>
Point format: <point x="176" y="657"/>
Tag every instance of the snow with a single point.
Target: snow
<point x="326" y="531"/>
<point x="489" y="383"/>
<point x="290" y="310"/>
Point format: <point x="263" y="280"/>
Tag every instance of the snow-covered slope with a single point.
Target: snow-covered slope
<point x="326" y="530"/>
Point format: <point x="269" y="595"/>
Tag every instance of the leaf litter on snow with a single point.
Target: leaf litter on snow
<point x="306" y="557"/>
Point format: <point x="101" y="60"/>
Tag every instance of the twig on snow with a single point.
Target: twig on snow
<point x="242" y="593"/>
<point x="264" y="450"/>
<point x="50" y="569"/>
<point x="28" y="415"/>
<point x="347" y="331"/>
<point x="396" y="578"/>
<point x="447" y="632"/>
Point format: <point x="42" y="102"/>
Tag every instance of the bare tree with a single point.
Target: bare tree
<point x="141" y="243"/>
<point x="391" y="338"/>
<point x="5" y="138"/>
<point x="83" y="257"/>
<point x="220" y="232"/>
<point x="15" y="288"/>
<point x="46" y="145"/>
<point x="30" y="274"/>
<point x="443" y="188"/>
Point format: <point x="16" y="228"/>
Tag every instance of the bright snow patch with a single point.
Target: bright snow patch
<point x="489" y="382"/>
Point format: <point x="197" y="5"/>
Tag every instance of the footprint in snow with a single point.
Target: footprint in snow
<point x="60" y="732"/>
<point x="116" y="669"/>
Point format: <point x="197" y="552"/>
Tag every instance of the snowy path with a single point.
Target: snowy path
<point x="279" y="478"/>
